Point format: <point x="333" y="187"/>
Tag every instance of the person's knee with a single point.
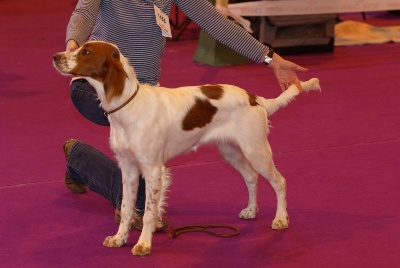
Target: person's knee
<point x="85" y="100"/>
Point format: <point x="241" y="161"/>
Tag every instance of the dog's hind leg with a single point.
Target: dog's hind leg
<point x="260" y="157"/>
<point x="130" y="183"/>
<point x="233" y="155"/>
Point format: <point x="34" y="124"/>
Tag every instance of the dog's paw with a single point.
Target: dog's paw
<point x="248" y="213"/>
<point x="115" y="241"/>
<point x="141" y="249"/>
<point x="312" y="84"/>
<point x="280" y="223"/>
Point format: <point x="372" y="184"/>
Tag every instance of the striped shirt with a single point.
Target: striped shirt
<point x="131" y="25"/>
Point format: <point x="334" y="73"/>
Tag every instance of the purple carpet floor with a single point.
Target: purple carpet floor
<point x="338" y="149"/>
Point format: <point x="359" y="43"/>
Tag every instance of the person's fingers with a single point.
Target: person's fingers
<point x="298" y="68"/>
<point x="301" y="69"/>
<point x="288" y="65"/>
<point x="298" y="84"/>
<point x="71" y="45"/>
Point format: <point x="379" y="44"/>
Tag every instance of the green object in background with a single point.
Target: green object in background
<point x="210" y="51"/>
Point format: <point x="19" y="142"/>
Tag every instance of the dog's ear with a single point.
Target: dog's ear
<point x="114" y="75"/>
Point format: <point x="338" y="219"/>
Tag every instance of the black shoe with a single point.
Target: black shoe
<point x="75" y="187"/>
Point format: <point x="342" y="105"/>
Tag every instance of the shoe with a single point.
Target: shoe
<point x="75" y="187"/>
<point x="138" y="223"/>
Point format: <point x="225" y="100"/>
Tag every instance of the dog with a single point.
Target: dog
<point x="151" y="125"/>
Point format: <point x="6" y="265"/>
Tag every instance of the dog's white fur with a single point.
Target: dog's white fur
<point x="149" y="131"/>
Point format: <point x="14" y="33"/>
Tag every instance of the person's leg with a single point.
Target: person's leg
<point x="85" y="99"/>
<point x="100" y="174"/>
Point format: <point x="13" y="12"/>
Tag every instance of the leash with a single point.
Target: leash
<point x="201" y="228"/>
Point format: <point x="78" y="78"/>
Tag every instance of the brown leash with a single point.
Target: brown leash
<point x="201" y="228"/>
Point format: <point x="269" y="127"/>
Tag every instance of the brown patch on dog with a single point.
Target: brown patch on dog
<point x="214" y="92"/>
<point x="101" y="61"/>
<point x="253" y="100"/>
<point x="199" y="115"/>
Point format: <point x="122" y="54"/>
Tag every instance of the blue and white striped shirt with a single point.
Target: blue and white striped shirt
<point x="131" y="25"/>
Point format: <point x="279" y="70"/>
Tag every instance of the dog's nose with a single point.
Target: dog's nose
<point x="56" y="57"/>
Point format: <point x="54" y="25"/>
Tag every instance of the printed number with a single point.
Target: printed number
<point x="161" y="18"/>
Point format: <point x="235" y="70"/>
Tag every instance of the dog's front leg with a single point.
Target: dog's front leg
<point x="153" y="193"/>
<point x="130" y="183"/>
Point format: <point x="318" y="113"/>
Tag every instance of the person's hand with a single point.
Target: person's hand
<point x="285" y="72"/>
<point x="71" y="45"/>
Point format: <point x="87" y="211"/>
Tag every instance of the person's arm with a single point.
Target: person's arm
<point x="232" y="35"/>
<point x="81" y="23"/>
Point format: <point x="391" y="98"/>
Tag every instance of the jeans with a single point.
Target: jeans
<point x="87" y="165"/>
<point x="85" y="99"/>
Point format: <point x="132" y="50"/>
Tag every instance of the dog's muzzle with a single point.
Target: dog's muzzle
<point x="60" y="62"/>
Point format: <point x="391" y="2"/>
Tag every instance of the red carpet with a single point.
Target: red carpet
<point x="338" y="150"/>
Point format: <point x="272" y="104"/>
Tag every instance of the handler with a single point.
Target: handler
<point x="132" y="26"/>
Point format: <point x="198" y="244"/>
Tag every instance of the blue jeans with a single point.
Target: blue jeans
<point x="87" y="165"/>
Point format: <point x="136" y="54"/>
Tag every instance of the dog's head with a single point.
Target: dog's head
<point x="100" y="61"/>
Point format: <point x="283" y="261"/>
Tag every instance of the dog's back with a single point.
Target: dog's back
<point x="184" y="118"/>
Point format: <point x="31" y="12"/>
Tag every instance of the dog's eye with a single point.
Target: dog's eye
<point x="85" y="52"/>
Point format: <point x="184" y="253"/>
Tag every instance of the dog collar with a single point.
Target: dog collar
<point x="124" y="104"/>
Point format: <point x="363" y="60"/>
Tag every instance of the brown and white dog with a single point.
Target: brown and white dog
<point x="150" y="125"/>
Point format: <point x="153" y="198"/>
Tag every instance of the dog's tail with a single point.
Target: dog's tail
<point x="272" y="105"/>
<point x="166" y="181"/>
